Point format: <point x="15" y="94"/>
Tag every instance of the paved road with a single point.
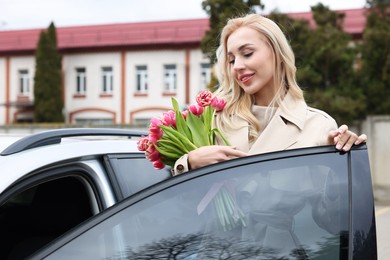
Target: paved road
<point x="382" y="214"/>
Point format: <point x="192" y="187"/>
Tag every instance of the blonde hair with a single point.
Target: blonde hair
<point x="240" y="103"/>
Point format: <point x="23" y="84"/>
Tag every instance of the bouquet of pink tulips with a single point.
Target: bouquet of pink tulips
<point x="179" y="132"/>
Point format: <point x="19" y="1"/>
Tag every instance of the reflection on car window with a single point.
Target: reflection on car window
<point x="294" y="208"/>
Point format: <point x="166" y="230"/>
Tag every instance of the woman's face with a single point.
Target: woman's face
<point x="251" y="63"/>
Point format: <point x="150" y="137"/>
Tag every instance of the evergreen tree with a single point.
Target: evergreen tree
<point x="327" y="73"/>
<point x="48" y="102"/>
<point x="375" y="72"/>
<point x="324" y="60"/>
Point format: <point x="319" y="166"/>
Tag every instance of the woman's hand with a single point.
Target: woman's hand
<point x="206" y="155"/>
<point x="344" y="138"/>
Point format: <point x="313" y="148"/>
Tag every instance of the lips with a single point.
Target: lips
<point x="245" y="78"/>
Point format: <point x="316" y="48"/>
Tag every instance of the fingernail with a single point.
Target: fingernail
<point x="338" y="147"/>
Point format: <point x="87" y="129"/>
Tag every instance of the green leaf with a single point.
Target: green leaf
<point x="180" y="121"/>
<point x="208" y="117"/>
<point x="197" y="127"/>
<point x="184" y="139"/>
<point x="166" y="154"/>
<point x="216" y="131"/>
<point x="168" y="162"/>
<point x="172" y="134"/>
<point x="169" y="145"/>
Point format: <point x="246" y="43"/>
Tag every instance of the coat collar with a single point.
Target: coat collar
<point x="293" y="110"/>
<point x="284" y="127"/>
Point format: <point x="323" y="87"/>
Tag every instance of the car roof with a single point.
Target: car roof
<point x="25" y="154"/>
<point x="8" y="139"/>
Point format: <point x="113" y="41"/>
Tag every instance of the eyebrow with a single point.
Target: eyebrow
<point x="241" y="47"/>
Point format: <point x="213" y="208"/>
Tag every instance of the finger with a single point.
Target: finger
<point x="234" y="152"/>
<point x="361" y="139"/>
<point x="342" y="129"/>
<point x="333" y="137"/>
<point x="348" y="144"/>
<point x="237" y="154"/>
<point x="332" y="134"/>
<point x="342" y="139"/>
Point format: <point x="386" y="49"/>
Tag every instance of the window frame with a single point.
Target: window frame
<point x="141" y="77"/>
<point x="170" y="78"/>
<point x="59" y="173"/>
<point x="81" y="81"/>
<point x="107" y="80"/>
<point x="24" y="82"/>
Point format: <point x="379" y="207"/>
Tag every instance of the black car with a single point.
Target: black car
<point x="310" y="203"/>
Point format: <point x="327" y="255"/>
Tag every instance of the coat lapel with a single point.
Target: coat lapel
<point x="284" y="129"/>
<point x="239" y="136"/>
<point x="278" y="135"/>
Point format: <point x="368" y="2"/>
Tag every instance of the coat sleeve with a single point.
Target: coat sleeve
<point x="181" y="166"/>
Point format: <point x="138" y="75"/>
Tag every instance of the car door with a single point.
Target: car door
<point x="311" y="203"/>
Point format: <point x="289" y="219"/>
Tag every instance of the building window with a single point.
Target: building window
<point x="205" y="74"/>
<point x="81" y="81"/>
<point x="94" y="121"/>
<point x="170" y="78"/>
<point x="142" y="79"/>
<point x="24" y="83"/>
<point x="107" y="80"/>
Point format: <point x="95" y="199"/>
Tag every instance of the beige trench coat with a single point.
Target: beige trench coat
<point x="294" y="125"/>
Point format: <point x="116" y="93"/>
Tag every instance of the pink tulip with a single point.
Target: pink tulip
<point x="185" y="113"/>
<point x="152" y="154"/>
<point x="169" y="118"/>
<point x="195" y="109"/>
<point x="218" y="104"/>
<point x="158" y="165"/>
<point x="204" y="98"/>
<point x="143" y="143"/>
<point x="155" y="133"/>
<point x="155" y="121"/>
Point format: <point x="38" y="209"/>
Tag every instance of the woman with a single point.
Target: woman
<point x="265" y="109"/>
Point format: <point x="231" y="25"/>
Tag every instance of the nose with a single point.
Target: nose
<point x="238" y="64"/>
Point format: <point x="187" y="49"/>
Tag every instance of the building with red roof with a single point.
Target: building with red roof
<point x="118" y="73"/>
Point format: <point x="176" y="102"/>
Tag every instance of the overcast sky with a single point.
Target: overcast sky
<point x="26" y="14"/>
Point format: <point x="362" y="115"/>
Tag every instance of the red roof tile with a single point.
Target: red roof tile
<point x="129" y="34"/>
<point x="141" y="34"/>
<point x="354" y="20"/>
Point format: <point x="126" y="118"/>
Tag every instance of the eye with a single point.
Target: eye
<point x="231" y="61"/>
<point x="248" y="54"/>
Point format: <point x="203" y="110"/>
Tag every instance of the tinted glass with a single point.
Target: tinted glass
<point x="294" y="208"/>
<point x="135" y="173"/>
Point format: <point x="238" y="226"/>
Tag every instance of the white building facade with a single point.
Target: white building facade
<point x="112" y="74"/>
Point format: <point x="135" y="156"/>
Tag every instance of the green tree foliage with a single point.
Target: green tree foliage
<point x="219" y="12"/>
<point x="326" y="70"/>
<point x="297" y="32"/>
<point x="48" y="103"/>
<point x="375" y="60"/>
<point x="325" y="61"/>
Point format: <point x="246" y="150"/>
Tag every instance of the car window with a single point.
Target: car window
<point x="132" y="173"/>
<point x="37" y="215"/>
<point x="291" y="208"/>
